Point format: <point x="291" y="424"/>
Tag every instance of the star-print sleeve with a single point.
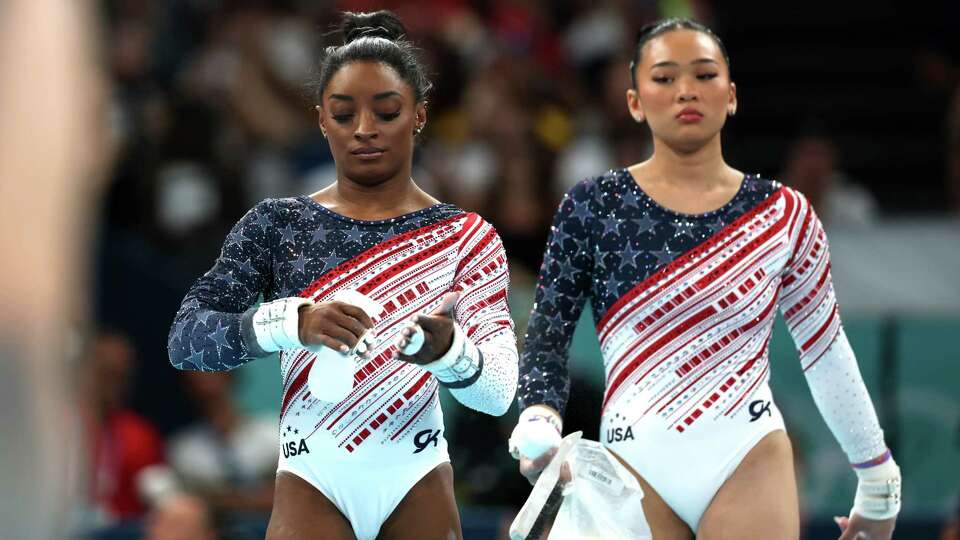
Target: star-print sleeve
<point x="213" y="329"/>
<point x="810" y="309"/>
<point x="562" y="288"/>
<point x="484" y="315"/>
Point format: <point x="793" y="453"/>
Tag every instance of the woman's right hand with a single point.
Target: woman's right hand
<point x="332" y="324"/>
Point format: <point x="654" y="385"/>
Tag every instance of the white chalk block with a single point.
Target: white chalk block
<point x="535" y="438"/>
<point x="416" y="341"/>
<point x="331" y="377"/>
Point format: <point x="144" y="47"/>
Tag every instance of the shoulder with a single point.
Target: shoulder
<point x="476" y="229"/>
<point x="588" y="189"/>
<point x="758" y="188"/>
<point x="792" y="195"/>
<point x="280" y="208"/>
<point x="473" y="219"/>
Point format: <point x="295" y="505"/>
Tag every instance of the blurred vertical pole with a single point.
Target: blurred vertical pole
<point x="53" y="147"/>
<point x="890" y="382"/>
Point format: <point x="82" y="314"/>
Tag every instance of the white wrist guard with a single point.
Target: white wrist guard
<point x="460" y="365"/>
<point x="277" y="324"/>
<point x="537" y="431"/>
<point x="878" y="491"/>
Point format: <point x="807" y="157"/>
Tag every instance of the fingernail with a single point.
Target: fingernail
<point x="836" y="520"/>
<point x="344" y="348"/>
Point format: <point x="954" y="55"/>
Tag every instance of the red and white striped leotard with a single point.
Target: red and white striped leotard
<point x="685" y="333"/>
<point x="365" y="452"/>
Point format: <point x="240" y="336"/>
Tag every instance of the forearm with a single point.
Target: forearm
<point x="842" y="399"/>
<point x="208" y="340"/>
<point x="482" y="377"/>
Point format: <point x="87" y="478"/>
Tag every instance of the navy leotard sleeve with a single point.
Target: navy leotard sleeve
<point x="212" y="330"/>
<point x="562" y="289"/>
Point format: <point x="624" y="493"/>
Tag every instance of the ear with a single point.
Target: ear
<point x="421" y="114"/>
<point x="732" y="100"/>
<point x="323" y="129"/>
<point x="634" y="105"/>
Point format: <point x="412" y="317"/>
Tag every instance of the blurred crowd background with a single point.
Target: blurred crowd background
<point x="210" y="110"/>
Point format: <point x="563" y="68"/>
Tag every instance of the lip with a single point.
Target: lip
<point x="689" y="115"/>
<point x="368" y="152"/>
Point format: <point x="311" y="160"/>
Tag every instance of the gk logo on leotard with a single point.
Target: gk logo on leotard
<point x="424" y="438"/>
<point x="757" y="408"/>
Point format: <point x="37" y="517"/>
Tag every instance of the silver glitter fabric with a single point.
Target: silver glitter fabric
<point x="296" y="247"/>
<point x="685" y="306"/>
<point x="277" y="250"/>
<point x="607" y="237"/>
<point x="843" y="401"/>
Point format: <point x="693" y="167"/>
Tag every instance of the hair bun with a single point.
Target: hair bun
<point x="384" y="24"/>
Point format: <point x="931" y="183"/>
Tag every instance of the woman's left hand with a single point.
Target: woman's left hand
<point x="437" y="333"/>
<point x="860" y="528"/>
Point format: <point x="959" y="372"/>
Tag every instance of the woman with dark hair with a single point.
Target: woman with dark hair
<point x="685" y="261"/>
<point x="371" y="270"/>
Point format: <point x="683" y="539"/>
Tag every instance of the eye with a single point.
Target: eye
<point x="663" y="79"/>
<point x="388" y="116"/>
<point x="706" y="76"/>
<point x="342" y="118"/>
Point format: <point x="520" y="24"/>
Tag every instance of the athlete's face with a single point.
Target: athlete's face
<point x="683" y="89"/>
<point x="368" y="115"/>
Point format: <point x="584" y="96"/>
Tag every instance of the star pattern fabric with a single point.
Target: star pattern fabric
<point x="607" y="237"/>
<point x="276" y="250"/>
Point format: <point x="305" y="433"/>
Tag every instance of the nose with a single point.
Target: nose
<point x="366" y="127"/>
<point x="687" y="91"/>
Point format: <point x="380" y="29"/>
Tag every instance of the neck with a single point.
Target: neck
<point x="396" y="196"/>
<point x="703" y="166"/>
<point x="391" y="193"/>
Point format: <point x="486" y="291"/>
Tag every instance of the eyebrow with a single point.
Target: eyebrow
<point x="381" y="95"/>
<point x="670" y="63"/>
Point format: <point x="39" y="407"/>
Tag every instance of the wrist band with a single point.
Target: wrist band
<point x="878" y="490"/>
<point x="461" y="365"/>
<point x="276" y="324"/>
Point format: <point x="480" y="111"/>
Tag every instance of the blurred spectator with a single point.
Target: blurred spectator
<point x="226" y="457"/>
<point x="812" y="167"/>
<point x="181" y="517"/>
<point x="122" y="443"/>
<point x="516" y="203"/>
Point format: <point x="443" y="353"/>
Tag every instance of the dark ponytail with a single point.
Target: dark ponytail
<point x="378" y="36"/>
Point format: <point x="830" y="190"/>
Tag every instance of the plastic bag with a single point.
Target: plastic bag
<point x="602" y="500"/>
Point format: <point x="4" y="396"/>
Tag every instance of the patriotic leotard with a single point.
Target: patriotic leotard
<point x="684" y="307"/>
<point x="365" y="452"/>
